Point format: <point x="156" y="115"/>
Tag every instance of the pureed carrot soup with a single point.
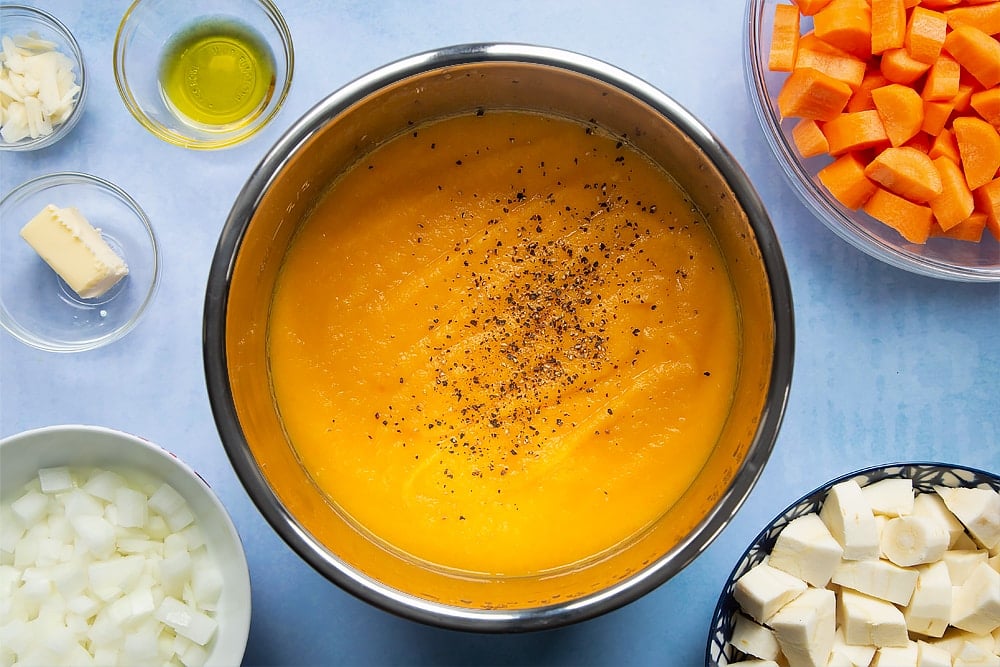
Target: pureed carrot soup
<point x="503" y="343"/>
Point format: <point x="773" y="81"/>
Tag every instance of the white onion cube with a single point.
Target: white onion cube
<point x="56" y="479"/>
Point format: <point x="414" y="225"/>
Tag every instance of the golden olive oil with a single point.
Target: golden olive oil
<point x="219" y="72"/>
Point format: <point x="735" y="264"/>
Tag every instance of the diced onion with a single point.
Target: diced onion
<point x="97" y="567"/>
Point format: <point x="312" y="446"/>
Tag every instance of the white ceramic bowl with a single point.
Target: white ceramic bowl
<point x="925" y="476"/>
<point x="22" y="20"/>
<point x="23" y="454"/>
<point x="938" y="258"/>
<point x="41" y="310"/>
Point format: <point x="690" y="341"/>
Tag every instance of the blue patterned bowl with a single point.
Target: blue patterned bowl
<point x="925" y="477"/>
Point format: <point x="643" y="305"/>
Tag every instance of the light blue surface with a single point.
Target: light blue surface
<point x="889" y="366"/>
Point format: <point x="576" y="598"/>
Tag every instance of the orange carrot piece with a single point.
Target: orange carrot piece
<point x="922" y="142"/>
<point x="925" y="33"/>
<point x="977" y="52"/>
<point x="847" y="24"/>
<point x="809" y="93"/>
<point x="861" y="100"/>
<point x="970" y="229"/>
<point x="987" y="105"/>
<point x="899" y="67"/>
<point x="845" y="179"/>
<point x="954" y="204"/>
<point x="979" y="146"/>
<point x="906" y="172"/>
<point x="963" y="98"/>
<point x="912" y="221"/>
<point x="810" y="7"/>
<point x="854" y="131"/>
<point x="986" y="17"/>
<point x="945" y="145"/>
<point x="901" y="111"/>
<point x="784" y="38"/>
<point x="987" y="199"/>
<point x="809" y="138"/>
<point x="942" y="79"/>
<point x="936" y="115"/>
<point x="939" y="4"/>
<point x="816" y="54"/>
<point x="888" y="25"/>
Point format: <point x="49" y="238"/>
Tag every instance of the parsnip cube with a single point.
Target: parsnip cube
<point x="929" y="611"/>
<point x="806" y="549"/>
<point x="962" y="563"/>
<point x="976" y="605"/>
<point x="897" y="656"/>
<point x="977" y="509"/>
<point x="754" y="639"/>
<point x="851" y="521"/>
<point x="805" y="628"/>
<point x="877" y="578"/>
<point x="763" y="590"/>
<point x="890" y="497"/>
<point x="929" y="655"/>
<point x="870" y="621"/>
<point x="931" y="505"/>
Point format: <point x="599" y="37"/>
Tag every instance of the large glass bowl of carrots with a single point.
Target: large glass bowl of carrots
<point x="885" y="117"/>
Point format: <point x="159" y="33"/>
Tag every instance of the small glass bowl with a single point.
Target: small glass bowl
<point x="36" y="306"/>
<point x="925" y="476"/>
<point x="938" y="258"/>
<point x="18" y="20"/>
<point x="148" y="27"/>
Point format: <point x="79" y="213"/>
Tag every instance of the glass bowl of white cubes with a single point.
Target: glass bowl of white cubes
<point x="887" y="566"/>
<point x="113" y="551"/>
<point x="43" y="79"/>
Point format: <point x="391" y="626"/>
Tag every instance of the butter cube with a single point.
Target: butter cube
<point x="870" y="621"/>
<point x="806" y="549"/>
<point x="754" y="639"/>
<point x="849" y="517"/>
<point x="929" y="611"/>
<point x="805" y="628"/>
<point x="763" y="590"/>
<point x="75" y="250"/>
<point x="976" y="604"/>
<point x="878" y="578"/>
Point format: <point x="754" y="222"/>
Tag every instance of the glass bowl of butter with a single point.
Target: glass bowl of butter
<point x="79" y="260"/>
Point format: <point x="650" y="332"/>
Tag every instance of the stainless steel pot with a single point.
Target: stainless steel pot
<point x="331" y="137"/>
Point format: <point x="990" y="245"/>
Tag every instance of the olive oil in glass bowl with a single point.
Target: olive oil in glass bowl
<point x="216" y="73"/>
<point x="203" y="74"/>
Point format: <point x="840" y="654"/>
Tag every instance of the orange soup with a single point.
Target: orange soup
<point x="503" y="343"/>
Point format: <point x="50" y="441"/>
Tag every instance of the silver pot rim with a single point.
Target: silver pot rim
<point x="391" y="599"/>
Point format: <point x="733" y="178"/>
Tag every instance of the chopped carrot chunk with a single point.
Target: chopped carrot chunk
<point x="784" y="38"/>
<point x="912" y="221"/>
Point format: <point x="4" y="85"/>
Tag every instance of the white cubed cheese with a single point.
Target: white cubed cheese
<point x="754" y="639"/>
<point x="977" y="509"/>
<point x="851" y="521"/>
<point x="805" y="628"/>
<point x="806" y="549"/>
<point x="897" y="656"/>
<point x="870" y="621"/>
<point x="878" y="578"/>
<point x="890" y="497"/>
<point x="976" y="604"/>
<point x="929" y="611"/>
<point x="763" y="590"/>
